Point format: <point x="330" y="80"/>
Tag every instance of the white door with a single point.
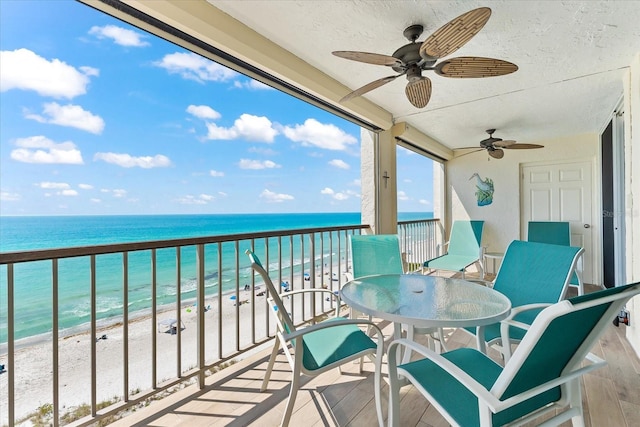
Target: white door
<point x="561" y="192"/>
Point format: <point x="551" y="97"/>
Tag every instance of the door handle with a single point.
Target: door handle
<point x="587" y="226"/>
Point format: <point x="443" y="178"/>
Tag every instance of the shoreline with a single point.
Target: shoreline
<point x="33" y="356"/>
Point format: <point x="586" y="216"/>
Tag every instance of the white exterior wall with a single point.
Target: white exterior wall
<point x="502" y="217"/>
<point x="632" y="189"/>
<point x="379" y="203"/>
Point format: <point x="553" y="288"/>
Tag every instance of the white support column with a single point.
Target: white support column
<point x="632" y="187"/>
<point x="379" y="204"/>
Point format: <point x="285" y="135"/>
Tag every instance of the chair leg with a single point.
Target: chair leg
<point x="293" y="391"/>
<point x="575" y="402"/>
<point x="393" y="416"/>
<point x="377" y="380"/>
<point x="440" y="345"/>
<point x="406" y="358"/>
<point x="272" y="359"/>
<point x="481" y="345"/>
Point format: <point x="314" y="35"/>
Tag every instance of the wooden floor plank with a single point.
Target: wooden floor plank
<point x="232" y="397"/>
<point x="631" y="413"/>
<point x="604" y="408"/>
<point x="620" y="366"/>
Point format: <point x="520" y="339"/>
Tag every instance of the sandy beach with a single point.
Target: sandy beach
<point x="33" y="363"/>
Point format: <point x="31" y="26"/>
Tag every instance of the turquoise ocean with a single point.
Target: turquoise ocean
<point x="33" y="290"/>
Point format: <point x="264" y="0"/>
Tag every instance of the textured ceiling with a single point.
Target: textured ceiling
<point x="571" y="56"/>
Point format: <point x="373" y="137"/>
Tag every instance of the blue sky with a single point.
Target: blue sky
<point x="98" y="117"/>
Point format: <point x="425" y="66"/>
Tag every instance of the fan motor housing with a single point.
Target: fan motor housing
<point x="488" y="143"/>
<point x="409" y="54"/>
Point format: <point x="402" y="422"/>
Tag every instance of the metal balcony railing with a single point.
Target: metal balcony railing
<point x="208" y="277"/>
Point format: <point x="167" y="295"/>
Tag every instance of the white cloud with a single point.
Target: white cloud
<point x="85" y="186"/>
<point x="5" y="196"/>
<point x="407" y="180"/>
<point x="201" y="199"/>
<point x="24" y="69"/>
<point x="69" y="115"/>
<point x="272" y="197"/>
<point x="337" y="195"/>
<point x="128" y="161"/>
<point x="425" y="202"/>
<point x="340" y="164"/>
<point x="194" y="67"/>
<point x="257" y="164"/>
<point x="251" y="85"/>
<point x="314" y="133"/>
<point x="247" y="126"/>
<point x="216" y="173"/>
<point x="94" y="200"/>
<point x="90" y="71"/>
<point x="203" y="112"/>
<point x="116" y="192"/>
<point x="222" y="193"/>
<point x="263" y="151"/>
<point x="53" y="185"/>
<point x="402" y="196"/>
<point x="327" y="190"/>
<point x="40" y="149"/>
<point x="68" y="193"/>
<point x="119" y="35"/>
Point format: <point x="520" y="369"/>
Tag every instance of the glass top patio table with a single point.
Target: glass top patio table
<point x="426" y="301"/>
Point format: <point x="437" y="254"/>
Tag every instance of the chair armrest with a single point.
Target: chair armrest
<point x="461" y="376"/>
<point x="324" y="325"/>
<point x="509" y="321"/>
<point x="313" y="290"/>
<point x="441" y="245"/>
<point x="481" y="282"/>
<point x="521" y="309"/>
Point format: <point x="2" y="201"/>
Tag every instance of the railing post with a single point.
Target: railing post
<point x="200" y="311"/>
<point x="178" y="313"/>
<point x="125" y="324"/>
<point x="54" y="334"/>
<point x="154" y="319"/>
<point x="11" y="381"/>
<point x="94" y="396"/>
<point x="312" y="271"/>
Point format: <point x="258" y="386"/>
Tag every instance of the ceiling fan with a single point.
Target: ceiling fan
<point x="495" y="146"/>
<point x="413" y="58"/>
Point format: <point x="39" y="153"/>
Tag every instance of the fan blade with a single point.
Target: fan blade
<point x="418" y="92"/>
<point x="524" y="146"/>
<point x="457" y="150"/>
<point x="496" y="153"/>
<point x="474" y="67"/>
<point x="369" y="58"/>
<point x="453" y="35"/>
<point x="504" y="144"/>
<point x="369" y="87"/>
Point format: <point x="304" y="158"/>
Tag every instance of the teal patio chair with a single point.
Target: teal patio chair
<point x="375" y="254"/>
<point x="463" y="248"/>
<point x="320" y="347"/>
<point x="532" y="275"/>
<point x="555" y="233"/>
<point x="543" y="376"/>
<point x="380" y="254"/>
